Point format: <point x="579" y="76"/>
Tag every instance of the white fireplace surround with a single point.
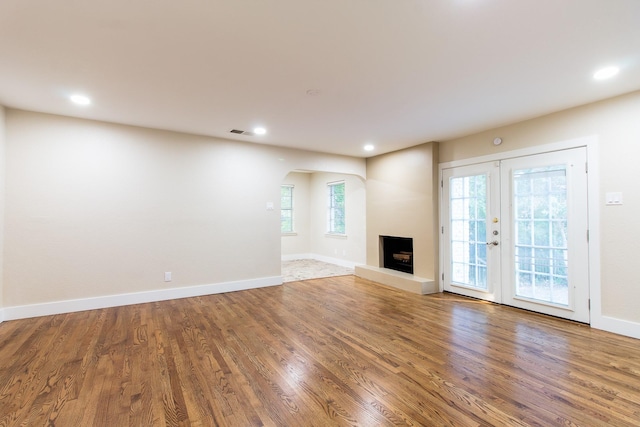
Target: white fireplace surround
<point x="397" y="279"/>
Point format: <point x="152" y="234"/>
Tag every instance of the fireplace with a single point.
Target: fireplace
<point x="397" y="253"/>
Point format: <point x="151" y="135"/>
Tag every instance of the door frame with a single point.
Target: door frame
<point x="593" y="207"/>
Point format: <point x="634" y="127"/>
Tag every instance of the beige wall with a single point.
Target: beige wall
<point x="402" y="201"/>
<point x="310" y="218"/>
<point x="300" y="242"/>
<point x="616" y="122"/>
<point x="349" y="248"/>
<point x="96" y="209"/>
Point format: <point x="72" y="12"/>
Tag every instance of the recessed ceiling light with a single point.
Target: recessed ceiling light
<point x="606" y="73"/>
<point x="259" y="131"/>
<point x="368" y="147"/>
<point x="80" y="99"/>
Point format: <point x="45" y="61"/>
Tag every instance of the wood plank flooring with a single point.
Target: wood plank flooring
<point x="336" y="351"/>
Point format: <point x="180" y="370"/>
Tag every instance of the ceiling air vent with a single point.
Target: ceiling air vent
<point x="241" y="132"/>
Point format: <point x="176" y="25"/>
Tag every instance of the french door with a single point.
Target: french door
<point x="515" y="232"/>
<point x="471" y="257"/>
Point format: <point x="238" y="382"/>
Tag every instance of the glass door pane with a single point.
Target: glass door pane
<point x="540" y="238"/>
<point x="468" y="212"/>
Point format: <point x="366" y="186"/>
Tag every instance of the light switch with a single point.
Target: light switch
<point x="614" y="198"/>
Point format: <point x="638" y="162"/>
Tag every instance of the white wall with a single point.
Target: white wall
<point x="96" y="209"/>
<point x="616" y="124"/>
<point x="299" y="242"/>
<point x="351" y="248"/>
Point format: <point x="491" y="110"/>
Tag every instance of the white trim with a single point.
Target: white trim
<point x="293" y="222"/>
<point x="317" y="257"/>
<point x="336" y="235"/>
<point x="294" y="257"/>
<point x="598" y="321"/>
<point x="616" y="326"/>
<point x="70" y="306"/>
<point x="1" y="315"/>
<point x="585" y="141"/>
<point x="337" y="261"/>
<point x="330" y="233"/>
<point x="593" y="211"/>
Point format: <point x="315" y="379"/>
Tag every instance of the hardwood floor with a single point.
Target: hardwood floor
<point x="337" y="351"/>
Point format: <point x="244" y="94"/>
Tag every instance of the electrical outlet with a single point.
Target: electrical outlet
<point x="614" y="198"/>
<point x="167" y="276"/>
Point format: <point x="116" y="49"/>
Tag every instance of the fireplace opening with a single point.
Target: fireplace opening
<point x="397" y="253"/>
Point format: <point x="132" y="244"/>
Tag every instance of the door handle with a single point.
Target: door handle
<point x="494" y="243"/>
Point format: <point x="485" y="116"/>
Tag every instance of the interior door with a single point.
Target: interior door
<point x="471" y="251"/>
<point x="545" y="243"/>
<point x="515" y="232"/>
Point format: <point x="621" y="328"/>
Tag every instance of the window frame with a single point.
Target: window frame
<point x="332" y="209"/>
<point x="290" y="209"/>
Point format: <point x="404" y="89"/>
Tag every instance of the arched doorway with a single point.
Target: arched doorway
<point x="310" y="247"/>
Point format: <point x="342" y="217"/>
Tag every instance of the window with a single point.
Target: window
<point x="336" y="208"/>
<point x="286" y="209"/>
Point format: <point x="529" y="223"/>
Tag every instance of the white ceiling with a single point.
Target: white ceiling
<point x="394" y="73"/>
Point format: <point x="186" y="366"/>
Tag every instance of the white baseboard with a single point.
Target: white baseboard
<point x="617" y="326"/>
<point x="336" y="261"/>
<point x="70" y="306"/>
<point x="293" y="257"/>
<point x="605" y="323"/>
<point x="317" y="257"/>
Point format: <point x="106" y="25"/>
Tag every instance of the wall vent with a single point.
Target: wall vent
<point x="242" y="132"/>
